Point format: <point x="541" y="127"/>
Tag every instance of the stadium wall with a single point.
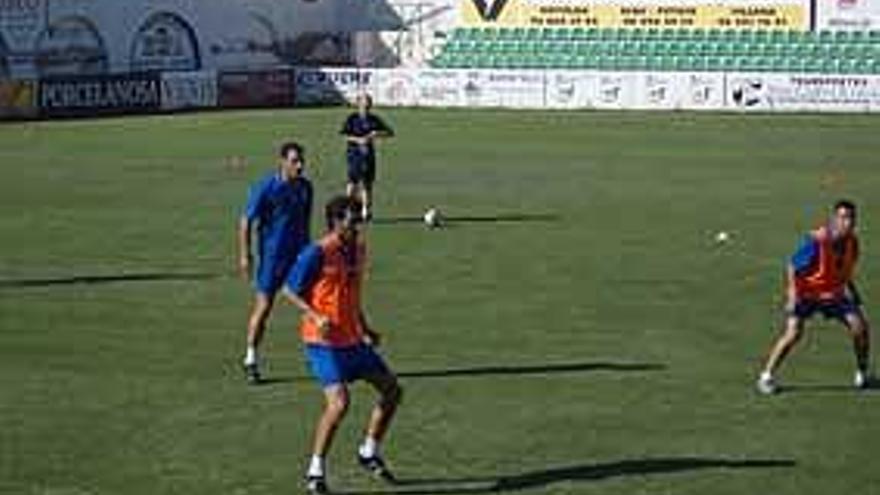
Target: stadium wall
<point x="41" y="38"/>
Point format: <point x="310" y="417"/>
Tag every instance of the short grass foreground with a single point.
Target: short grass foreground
<point x="574" y="326"/>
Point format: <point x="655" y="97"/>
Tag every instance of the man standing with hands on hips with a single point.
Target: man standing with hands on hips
<point x="361" y="129"/>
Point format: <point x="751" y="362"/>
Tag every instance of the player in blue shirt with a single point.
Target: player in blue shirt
<point x="280" y="205"/>
<point x="361" y="129"/>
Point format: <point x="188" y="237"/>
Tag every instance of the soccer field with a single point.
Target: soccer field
<point x="573" y="329"/>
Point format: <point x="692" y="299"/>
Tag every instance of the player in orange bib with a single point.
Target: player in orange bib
<point x="325" y="284"/>
<point x="820" y="279"/>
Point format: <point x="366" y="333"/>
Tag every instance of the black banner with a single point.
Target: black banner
<point x="99" y="95"/>
<point x="256" y="89"/>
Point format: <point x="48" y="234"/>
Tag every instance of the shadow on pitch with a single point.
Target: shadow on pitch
<point x="461" y="219"/>
<point x="476" y="371"/>
<point x="545" y="369"/>
<point x="827" y="388"/>
<point x="580" y="473"/>
<point x="105" y="279"/>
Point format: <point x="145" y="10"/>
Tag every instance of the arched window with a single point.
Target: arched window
<point x="70" y="45"/>
<point x="165" y="41"/>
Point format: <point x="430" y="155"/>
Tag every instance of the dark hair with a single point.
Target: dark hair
<point x="337" y="208"/>
<point x="845" y="204"/>
<point x="291" y="145"/>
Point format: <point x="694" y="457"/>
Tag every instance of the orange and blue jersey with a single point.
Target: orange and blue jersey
<point x="328" y="275"/>
<point x="823" y="266"/>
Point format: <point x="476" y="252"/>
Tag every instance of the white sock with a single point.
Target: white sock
<point x="316" y="466"/>
<point x="370" y="448"/>
<point x="250" y="356"/>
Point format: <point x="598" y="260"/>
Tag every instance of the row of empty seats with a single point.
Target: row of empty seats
<point x="656" y="49"/>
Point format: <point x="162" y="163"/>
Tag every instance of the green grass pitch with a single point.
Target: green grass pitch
<point x="573" y="329"/>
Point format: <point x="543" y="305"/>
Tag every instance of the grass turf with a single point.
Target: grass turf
<point x="573" y="329"/>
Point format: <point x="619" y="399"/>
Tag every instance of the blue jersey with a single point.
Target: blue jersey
<point x="360" y="126"/>
<point x="283" y="211"/>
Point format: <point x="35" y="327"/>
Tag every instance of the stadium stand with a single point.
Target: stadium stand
<point x="836" y="52"/>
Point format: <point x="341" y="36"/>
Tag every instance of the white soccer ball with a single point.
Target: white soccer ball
<point x="432" y="218"/>
<point x="722" y="237"/>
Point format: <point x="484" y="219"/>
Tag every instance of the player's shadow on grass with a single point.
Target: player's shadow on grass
<point x="502" y="370"/>
<point x="541" y="369"/>
<point x="579" y="473"/>
<point x="814" y="388"/>
<point x="104" y="279"/>
<point x="460" y="219"/>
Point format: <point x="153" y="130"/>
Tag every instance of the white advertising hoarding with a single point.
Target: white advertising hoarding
<point x="397" y="88"/>
<point x="504" y="88"/>
<point x="440" y="88"/>
<point x="615" y="90"/>
<point x="802" y="93"/>
<point x="330" y="85"/>
<point x="848" y="14"/>
<point x="570" y="89"/>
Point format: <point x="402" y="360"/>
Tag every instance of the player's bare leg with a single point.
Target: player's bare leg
<point x="366" y="197"/>
<point x="256" y="328"/>
<point x="861" y="337"/>
<point x="792" y="333"/>
<point x="390" y="395"/>
<point x="336" y="401"/>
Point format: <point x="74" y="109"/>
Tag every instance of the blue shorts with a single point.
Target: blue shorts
<point x="837" y="309"/>
<point x="361" y="167"/>
<point x="271" y="274"/>
<point x="334" y="365"/>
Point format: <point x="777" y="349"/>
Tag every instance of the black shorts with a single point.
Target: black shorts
<point x="361" y="168"/>
<point x="837" y="309"/>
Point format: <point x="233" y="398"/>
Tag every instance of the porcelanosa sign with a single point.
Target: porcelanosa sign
<point x="100" y="95"/>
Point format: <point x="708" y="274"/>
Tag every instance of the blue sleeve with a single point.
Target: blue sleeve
<point x="805" y="256"/>
<point x="304" y="271"/>
<point x="255" y="201"/>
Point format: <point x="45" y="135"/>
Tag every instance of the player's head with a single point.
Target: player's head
<point x="292" y="157"/>
<point x="843" y="219"/>
<point x="364" y="102"/>
<point x="343" y="215"/>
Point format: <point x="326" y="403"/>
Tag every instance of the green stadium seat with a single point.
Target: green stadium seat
<point x="813" y="65"/>
<point x="715" y="63"/>
<point x="697" y="63"/>
<point x="825" y="36"/>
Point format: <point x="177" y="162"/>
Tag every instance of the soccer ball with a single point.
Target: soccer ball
<point x="722" y="237"/>
<point x="432" y="218"/>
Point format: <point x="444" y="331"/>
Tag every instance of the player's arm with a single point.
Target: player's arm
<point x="372" y="337"/>
<point x="851" y="289"/>
<point x="381" y="129"/>
<point x="301" y="279"/>
<point x="246" y="223"/>
<point x="244" y="246"/>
